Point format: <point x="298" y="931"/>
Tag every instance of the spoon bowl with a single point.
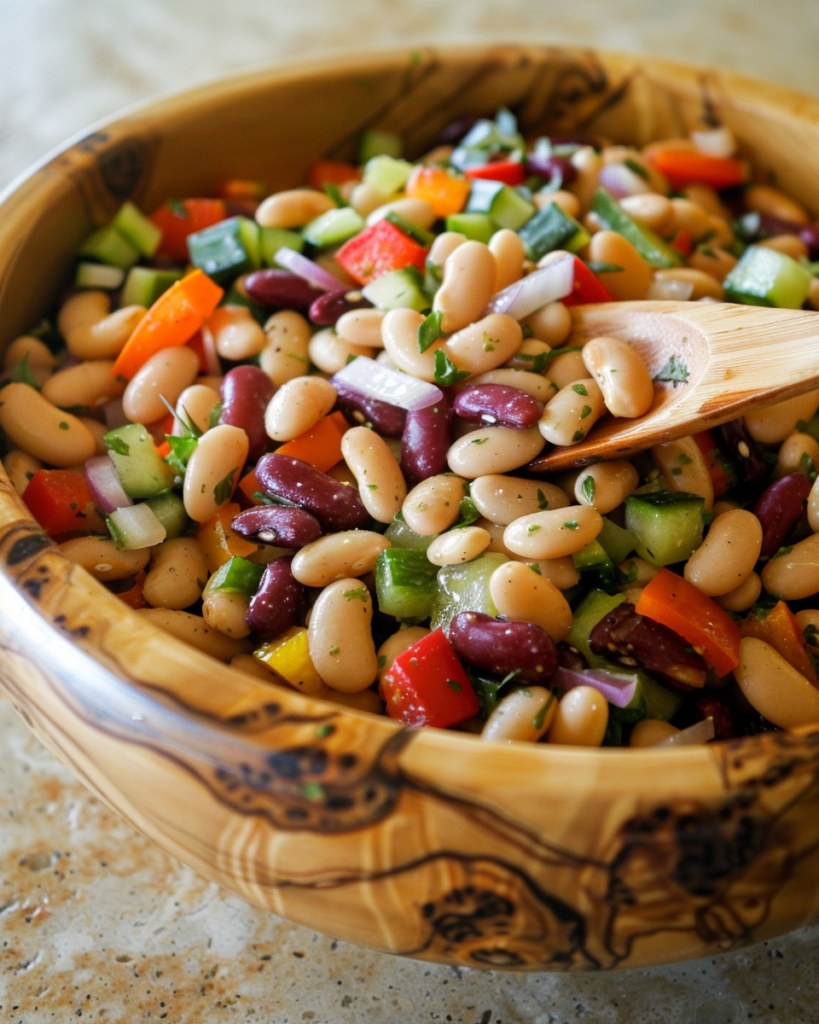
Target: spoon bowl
<point x="711" y="362"/>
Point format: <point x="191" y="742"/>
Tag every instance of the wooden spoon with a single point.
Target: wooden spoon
<point x="726" y="359"/>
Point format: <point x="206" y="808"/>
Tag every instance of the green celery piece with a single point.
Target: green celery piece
<point x="399" y="289"/>
<point x="648" y="243"/>
<point x="169" y="509"/>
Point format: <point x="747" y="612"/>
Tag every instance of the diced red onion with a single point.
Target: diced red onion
<point x="114" y="414"/>
<point x="301" y="266"/>
<point x="621" y="181"/>
<point x="549" y="283"/>
<point x="700" y="732"/>
<point x="715" y="141"/>
<point x="387" y="385"/>
<point x="669" y="288"/>
<point x="104" y="485"/>
<point x="618" y="690"/>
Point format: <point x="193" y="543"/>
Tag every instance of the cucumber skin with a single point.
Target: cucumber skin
<point x="465" y="588"/>
<point x="143" y="472"/>
<point x="667" y="527"/>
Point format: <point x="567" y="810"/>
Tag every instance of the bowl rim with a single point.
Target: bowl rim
<point x="430" y="742"/>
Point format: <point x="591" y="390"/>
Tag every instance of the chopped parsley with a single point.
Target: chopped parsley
<point x="446" y="372"/>
<point x="223" y="490"/>
<point x="429" y="331"/>
<point x="588" y="489"/>
<point x="578" y="435"/>
<point x="674" y="370"/>
<point x="571" y="524"/>
<point x="580" y="389"/>
<point x="542" y="500"/>
<point x="359" y="594"/>
<point x="585" y="411"/>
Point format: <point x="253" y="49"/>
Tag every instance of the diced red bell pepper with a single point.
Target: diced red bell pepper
<point x="510" y="172"/>
<point x="377" y="250"/>
<point x="681" y="242"/>
<point x="427" y="685"/>
<point x="130" y="590"/>
<point x="780" y="629"/>
<point x="180" y="218"/>
<point x="332" y="172"/>
<point x="687" y="166"/>
<point x="58" y="500"/>
<point x="587" y="287"/>
<point x="673" y="601"/>
<point x="708" y="446"/>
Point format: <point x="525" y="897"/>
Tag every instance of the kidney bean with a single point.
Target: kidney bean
<point x="708" y="706"/>
<point x="764" y="225"/>
<point x="278" y="524"/>
<point x="739" y="448"/>
<point x="779" y="509"/>
<point x="425" y="442"/>
<point x="499" y="647"/>
<point x="327" y="308"/>
<point x="278" y="604"/>
<point x="281" y="289"/>
<point x="497" y="403"/>
<point x="552" y="168"/>
<point x="388" y="420"/>
<point x="629" y="638"/>
<point x="809" y="233"/>
<point x="246" y="390"/>
<point x="452" y="134"/>
<point x="335" y="505"/>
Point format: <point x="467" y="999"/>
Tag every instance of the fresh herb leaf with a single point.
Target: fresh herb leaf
<point x="334" y="192"/>
<point x="467" y="513"/>
<point x="479" y="440"/>
<point x="578" y="435"/>
<point x="540" y="717"/>
<point x="455" y="686"/>
<point x="581" y="390"/>
<point x="223" y="490"/>
<point x="601" y="267"/>
<point x="359" y="594"/>
<point x="532" y="529"/>
<point x="560" y="352"/>
<point x="413" y="231"/>
<point x="585" y="411"/>
<point x="537" y="359"/>
<point x="22" y="374"/>
<point x="181" y="450"/>
<point x="429" y="330"/>
<point x="674" y="370"/>
<point x="571" y="524"/>
<point x="588" y="489"/>
<point x="542" y="500"/>
<point x="446" y="372"/>
<point x="114" y="443"/>
<point x="636" y="168"/>
<point x="214" y="416"/>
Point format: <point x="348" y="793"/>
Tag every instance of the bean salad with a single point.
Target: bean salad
<point x="299" y="430"/>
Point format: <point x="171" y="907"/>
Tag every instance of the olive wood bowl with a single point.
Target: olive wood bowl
<point x="421" y="842"/>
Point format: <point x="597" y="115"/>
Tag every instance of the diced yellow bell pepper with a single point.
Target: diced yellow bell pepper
<point x="219" y="542"/>
<point x="289" y="657"/>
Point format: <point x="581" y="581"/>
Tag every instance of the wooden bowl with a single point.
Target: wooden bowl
<point x="422" y="842"/>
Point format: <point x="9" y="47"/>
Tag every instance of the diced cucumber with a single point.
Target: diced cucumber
<point x="647" y="243"/>
<point x="144" y="285"/>
<point x="226" y="249"/>
<point x="413" y="231"/>
<point x="142" y="471"/>
<point x="506" y="206"/>
<point x="594" y="558"/>
<point x="333" y="227"/>
<point x="237" y="576"/>
<point x="142" y="233"/>
<point x="594" y="606"/>
<point x="399" y="289"/>
<point x="377" y="143"/>
<point x="386" y="174"/>
<point x="666" y="525"/>
<point x="273" y="239"/>
<point x="765" y="277"/>
<point x="399" y="534"/>
<point x="108" y="246"/>
<point x="134" y="527"/>
<point x="619" y="543"/>
<point x="551" y="229"/>
<point x="405" y="583"/>
<point x="98" y="275"/>
<point x="479" y="227"/>
<point x="169" y="509"/>
<point x="465" y="588"/>
<point x="661" y="703"/>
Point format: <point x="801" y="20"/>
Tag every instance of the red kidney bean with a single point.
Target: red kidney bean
<point x="500" y="647"/>
<point x="627" y="637"/>
<point x="763" y="225"/>
<point x="279" y="525"/>
<point x="335" y="505"/>
<point x="246" y="390"/>
<point x="281" y="289"/>
<point x="737" y="445"/>
<point x="706" y="705"/>
<point x="327" y="308"/>
<point x="498" y="404"/>
<point x="779" y="509"/>
<point x="425" y="442"/>
<point x="387" y="419"/>
<point x="558" y="169"/>
<point x="279" y="602"/>
<point x="452" y="134"/>
<point x="241" y="207"/>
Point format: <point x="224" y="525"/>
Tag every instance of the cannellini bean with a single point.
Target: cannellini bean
<point x="361" y="327"/>
<point x="524" y="715"/>
<point x="297" y="406"/>
<point x="507" y="248"/>
<point x="560" y="571"/>
<point x="650" y="732"/>
<point x="399" y="331"/>
<point x="364" y="199"/>
<point x="798" y="453"/>
<point x="432" y="506"/>
<point x="380" y="481"/>
<point x="293" y="208"/>
<point x="704" y="285"/>
<point x="565" y="369"/>
<point x="82" y="309"/>
<point x="774" y="687"/>
<point x="581" y="718"/>
<point x="331" y="353"/>
<point x="622" y="375"/>
<point x="469" y="283"/>
<point x="554" y="533"/>
<point x="717" y="263"/>
<point x="397" y="644"/>
<point x="39" y="355"/>
<point x="691" y="218"/>
<point x="571" y="414"/>
<point x="727" y="556"/>
<point x="195" y="405"/>
<point x="88" y="384"/>
<point x="177" y="575"/>
<point x="794" y="574"/>
<point x="164" y="376"/>
<point x="411" y="208"/>
<point x="105" y="338"/>
<point x="774" y="424"/>
<point x="743" y="597"/>
<point x="226" y="612"/>
<point x="494" y="450"/>
<point x="458" y="546"/>
<point x="235" y="333"/>
<point x="587" y="163"/>
<point x="20" y="467"/>
<point x="643" y="570"/>
<point x="567" y="202"/>
<point x="684" y="468"/>
<point x="606" y="485"/>
<point x="551" y="323"/>
<point x="286" y="353"/>
<point x="790" y="244"/>
<point x="444" y="245"/>
<point x="37" y="426"/>
<point x="769" y="200"/>
<point x="339" y="636"/>
<point x="634" y="278"/>
<point x="523" y="595"/>
<point x="531" y="352"/>
<point x="213" y="471"/>
<point x="502" y="498"/>
<point x="195" y="631"/>
<point x="653" y="210"/>
<point x="338" y="555"/>
<point x="103" y="559"/>
<point x="485" y="344"/>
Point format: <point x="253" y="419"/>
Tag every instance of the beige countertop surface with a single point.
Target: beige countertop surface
<point x="95" y="921"/>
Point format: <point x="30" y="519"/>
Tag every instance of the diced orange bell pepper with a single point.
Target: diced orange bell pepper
<point x="780" y="629"/>
<point x="178" y="219"/>
<point x="131" y="591"/>
<point x="248" y="486"/>
<point x="173" y="319"/>
<point x="320" y="445"/>
<point x="708" y="446"/>
<point x="687" y="166"/>
<point x="332" y="172"/>
<point x="443" y="190"/>
<point x="220" y="542"/>
<point x="241" y="188"/>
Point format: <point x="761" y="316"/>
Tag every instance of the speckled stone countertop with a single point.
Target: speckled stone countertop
<point x="95" y="921"/>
